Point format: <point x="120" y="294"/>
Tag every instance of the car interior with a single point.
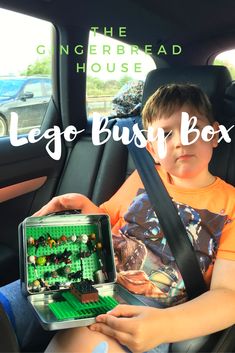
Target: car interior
<point x="29" y="177"/>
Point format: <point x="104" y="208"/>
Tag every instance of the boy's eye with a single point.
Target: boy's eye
<point x="195" y="127"/>
<point x="167" y="134"/>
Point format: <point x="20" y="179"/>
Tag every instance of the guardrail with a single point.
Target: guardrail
<point x="99" y="104"/>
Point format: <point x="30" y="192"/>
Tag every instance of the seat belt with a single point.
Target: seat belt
<point x="170" y="221"/>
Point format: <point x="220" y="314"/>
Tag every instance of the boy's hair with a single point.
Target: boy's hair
<point x="170" y="98"/>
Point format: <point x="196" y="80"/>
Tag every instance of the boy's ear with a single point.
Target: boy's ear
<point x="151" y="150"/>
<point x="216" y="136"/>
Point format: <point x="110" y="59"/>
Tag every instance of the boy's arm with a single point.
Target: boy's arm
<point x="210" y="312"/>
<point x="70" y="201"/>
<point x="142" y="328"/>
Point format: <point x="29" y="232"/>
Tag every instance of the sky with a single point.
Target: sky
<point x="139" y="64"/>
<point x="228" y="56"/>
<point x="20" y="35"/>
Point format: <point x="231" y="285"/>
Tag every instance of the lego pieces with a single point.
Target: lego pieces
<point x="71" y="308"/>
<point x="62" y="310"/>
<point x="84" y="291"/>
<point x="64" y="252"/>
<point x="61" y="255"/>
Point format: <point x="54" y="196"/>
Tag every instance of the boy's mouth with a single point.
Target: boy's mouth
<point x="184" y="157"/>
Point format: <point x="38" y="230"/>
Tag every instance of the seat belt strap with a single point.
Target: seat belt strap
<point x="170" y="221"/>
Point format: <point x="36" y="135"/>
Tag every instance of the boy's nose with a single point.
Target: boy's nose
<point x="177" y="139"/>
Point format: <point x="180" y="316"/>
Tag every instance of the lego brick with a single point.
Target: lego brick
<point x="84" y="292"/>
<point x="77" y="305"/>
<point x="72" y="308"/>
<point x="62" y="310"/>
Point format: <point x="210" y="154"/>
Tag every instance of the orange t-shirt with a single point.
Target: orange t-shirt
<point x="145" y="264"/>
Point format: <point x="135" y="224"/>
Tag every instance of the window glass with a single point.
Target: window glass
<point x="227" y="59"/>
<point x="115" y="75"/>
<point x="21" y="60"/>
<point x="47" y="88"/>
<point x="35" y="88"/>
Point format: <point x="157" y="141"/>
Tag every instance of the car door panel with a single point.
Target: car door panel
<point x="15" y="190"/>
<point x="28" y="179"/>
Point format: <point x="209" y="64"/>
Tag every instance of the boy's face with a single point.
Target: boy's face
<point x="184" y="161"/>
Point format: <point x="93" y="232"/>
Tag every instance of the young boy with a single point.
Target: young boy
<point x="144" y="260"/>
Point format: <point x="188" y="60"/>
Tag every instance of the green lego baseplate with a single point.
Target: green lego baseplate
<point x="72" y="308"/>
<point x="46" y="270"/>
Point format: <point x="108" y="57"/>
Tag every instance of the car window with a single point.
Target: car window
<point x="47" y="89"/>
<point x="25" y="74"/>
<point x="115" y="71"/>
<point x="9" y="88"/>
<point x="35" y="88"/>
<point x="226" y="58"/>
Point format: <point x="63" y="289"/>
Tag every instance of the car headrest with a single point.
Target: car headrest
<point x="213" y="80"/>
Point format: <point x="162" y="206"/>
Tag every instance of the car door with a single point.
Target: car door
<point x="28" y="178"/>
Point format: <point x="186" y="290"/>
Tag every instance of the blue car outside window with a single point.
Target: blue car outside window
<point x="9" y="88"/>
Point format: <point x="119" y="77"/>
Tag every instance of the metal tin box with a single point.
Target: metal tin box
<point x="59" y="250"/>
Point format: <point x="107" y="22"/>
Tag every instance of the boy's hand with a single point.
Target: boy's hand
<point x="70" y="201"/>
<point x="141" y="328"/>
<point x="132" y="326"/>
